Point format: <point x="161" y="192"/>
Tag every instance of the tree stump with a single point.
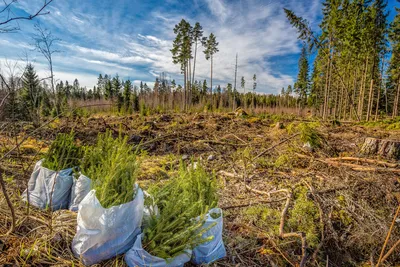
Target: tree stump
<point x="389" y="149"/>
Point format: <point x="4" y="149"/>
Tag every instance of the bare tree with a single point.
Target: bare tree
<point x="44" y="43"/>
<point x="7" y="15"/>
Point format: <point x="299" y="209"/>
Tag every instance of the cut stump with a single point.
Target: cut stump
<point x="388" y="149"/>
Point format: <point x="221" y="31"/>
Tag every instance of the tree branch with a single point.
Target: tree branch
<point x="30" y="17"/>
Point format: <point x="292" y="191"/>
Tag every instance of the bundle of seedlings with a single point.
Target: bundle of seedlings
<point x="192" y="181"/>
<point x="183" y="205"/>
<point x="51" y="180"/>
<point x="113" y="167"/>
<point x="63" y="153"/>
<point x="110" y="215"/>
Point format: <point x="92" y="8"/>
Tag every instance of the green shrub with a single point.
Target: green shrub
<point x="308" y="133"/>
<point x="304" y="217"/>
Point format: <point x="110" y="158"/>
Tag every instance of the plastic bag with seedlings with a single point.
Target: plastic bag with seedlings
<point x="213" y="250"/>
<point x="113" y="167"/>
<point x="50" y="183"/>
<point x="80" y="188"/>
<point x="169" y="236"/>
<point x="103" y="233"/>
<point x="48" y="188"/>
<point x="138" y="256"/>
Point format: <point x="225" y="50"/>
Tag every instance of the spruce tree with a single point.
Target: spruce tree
<point x="116" y="86"/>
<point x="302" y="83"/>
<point x="127" y="95"/>
<point x="31" y="94"/>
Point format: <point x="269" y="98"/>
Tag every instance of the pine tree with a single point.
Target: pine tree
<point x="197" y="35"/>
<point x="182" y="52"/>
<point x="254" y="90"/>
<point x="211" y="47"/>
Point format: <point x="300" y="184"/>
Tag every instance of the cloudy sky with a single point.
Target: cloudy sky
<point x="133" y="38"/>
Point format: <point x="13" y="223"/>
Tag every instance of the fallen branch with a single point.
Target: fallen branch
<point x="381" y="257"/>
<point x="300" y="235"/>
<point x="272" y="147"/>
<point x="221" y="143"/>
<point x="253" y="203"/>
<point x="390" y="251"/>
<point x="354" y="167"/>
<point x="371" y="161"/>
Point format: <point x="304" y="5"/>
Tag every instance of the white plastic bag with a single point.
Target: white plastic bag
<point x="105" y="233"/>
<point x="215" y="249"/>
<point x="150" y="209"/>
<point x="80" y="188"/>
<point x="138" y="257"/>
<point x="47" y="186"/>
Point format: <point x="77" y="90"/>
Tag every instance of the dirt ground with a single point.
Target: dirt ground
<point x="285" y="203"/>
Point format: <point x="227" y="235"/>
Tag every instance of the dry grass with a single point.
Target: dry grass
<point x="345" y="214"/>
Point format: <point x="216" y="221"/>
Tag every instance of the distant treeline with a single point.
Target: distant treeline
<point x="32" y="99"/>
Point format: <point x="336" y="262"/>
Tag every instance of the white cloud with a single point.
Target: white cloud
<point x="218" y="9"/>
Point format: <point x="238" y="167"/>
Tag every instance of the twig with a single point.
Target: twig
<point x="380" y="260"/>
<point x="390" y="251"/>
<point x="30" y="17"/>
<point x="321" y="221"/>
<point x="354" y="167"/>
<point x="10" y="205"/>
<point x="300" y="235"/>
<point x="272" y="147"/>
<point x="372" y="161"/>
<point x="253" y="203"/>
<point x="221" y="143"/>
<point x="282" y="234"/>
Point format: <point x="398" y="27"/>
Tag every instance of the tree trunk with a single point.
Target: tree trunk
<point x="326" y="89"/>
<point x="389" y="149"/>
<point x="211" y="74"/>
<point x="194" y="61"/>
<point x="354" y="93"/>
<point x="396" y="101"/>
<point x="190" y="84"/>
<point x="362" y="92"/>
<point x="377" y="104"/>
<point x="370" y="99"/>
<point x="184" y="88"/>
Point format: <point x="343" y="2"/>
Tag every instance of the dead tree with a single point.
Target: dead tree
<point x="44" y="43"/>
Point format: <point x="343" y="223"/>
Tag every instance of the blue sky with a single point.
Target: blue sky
<point x="133" y="39"/>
